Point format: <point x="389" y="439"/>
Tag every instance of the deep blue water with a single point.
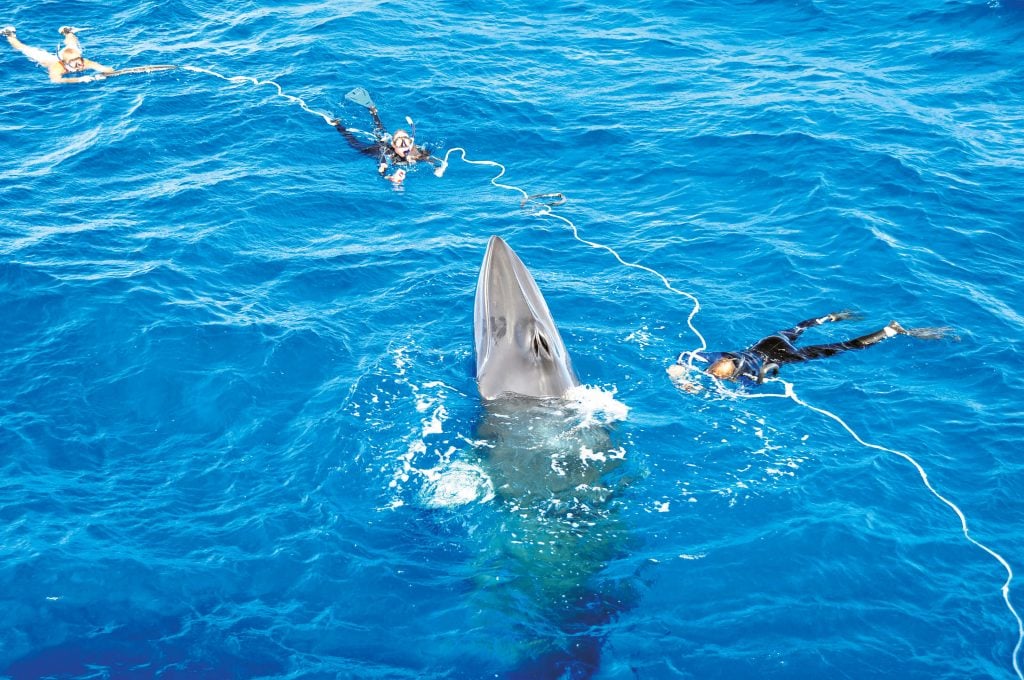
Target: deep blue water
<point x="239" y="427"/>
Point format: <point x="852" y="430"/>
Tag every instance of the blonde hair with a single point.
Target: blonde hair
<point x="723" y="369"/>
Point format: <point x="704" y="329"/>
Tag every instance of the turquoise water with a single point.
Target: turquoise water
<point x="240" y="432"/>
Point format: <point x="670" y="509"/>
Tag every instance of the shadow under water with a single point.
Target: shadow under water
<point x="556" y="477"/>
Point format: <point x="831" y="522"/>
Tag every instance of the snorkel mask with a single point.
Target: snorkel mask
<point x="72" y="63"/>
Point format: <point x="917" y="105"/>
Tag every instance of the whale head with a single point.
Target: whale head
<point x="519" y="351"/>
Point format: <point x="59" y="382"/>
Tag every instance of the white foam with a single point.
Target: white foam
<point x="435" y="424"/>
<point x="596" y="406"/>
<point x="641" y="336"/>
<point x="456" y="484"/>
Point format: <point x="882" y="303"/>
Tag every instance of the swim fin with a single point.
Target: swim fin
<point x="361" y="97"/>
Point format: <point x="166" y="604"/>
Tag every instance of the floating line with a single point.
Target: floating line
<point x="790" y="393"/>
<point x="253" y="81"/>
<point x="545" y="210"/>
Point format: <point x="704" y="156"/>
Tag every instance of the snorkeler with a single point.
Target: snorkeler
<point x="68" y="58"/>
<point x="751" y="366"/>
<point x="397" y="149"/>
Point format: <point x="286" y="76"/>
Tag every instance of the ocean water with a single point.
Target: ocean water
<point x="239" y="429"/>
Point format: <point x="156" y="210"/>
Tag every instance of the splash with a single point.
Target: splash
<point x="595" y="406"/>
<point x="429" y="402"/>
<point x="456" y="484"/>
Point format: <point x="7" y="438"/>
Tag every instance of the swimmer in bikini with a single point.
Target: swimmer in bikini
<point x="763" y="359"/>
<point x="398" y="149"/>
<point x="67" y="60"/>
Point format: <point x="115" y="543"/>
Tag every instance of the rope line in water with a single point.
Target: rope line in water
<point x="258" y="83"/>
<point x="790" y="393"/>
<point x="546" y="210"/>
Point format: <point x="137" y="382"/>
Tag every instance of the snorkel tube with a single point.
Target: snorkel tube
<point x="769" y="370"/>
<point x="439" y="170"/>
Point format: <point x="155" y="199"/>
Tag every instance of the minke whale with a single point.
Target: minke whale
<point x="554" y="474"/>
<point x="519" y="351"/>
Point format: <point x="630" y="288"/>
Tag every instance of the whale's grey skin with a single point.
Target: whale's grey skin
<point x="518" y="348"/>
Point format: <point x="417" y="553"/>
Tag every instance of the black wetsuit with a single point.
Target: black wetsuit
<point x="381" y="149"/>
<point x="765" y="356"/>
